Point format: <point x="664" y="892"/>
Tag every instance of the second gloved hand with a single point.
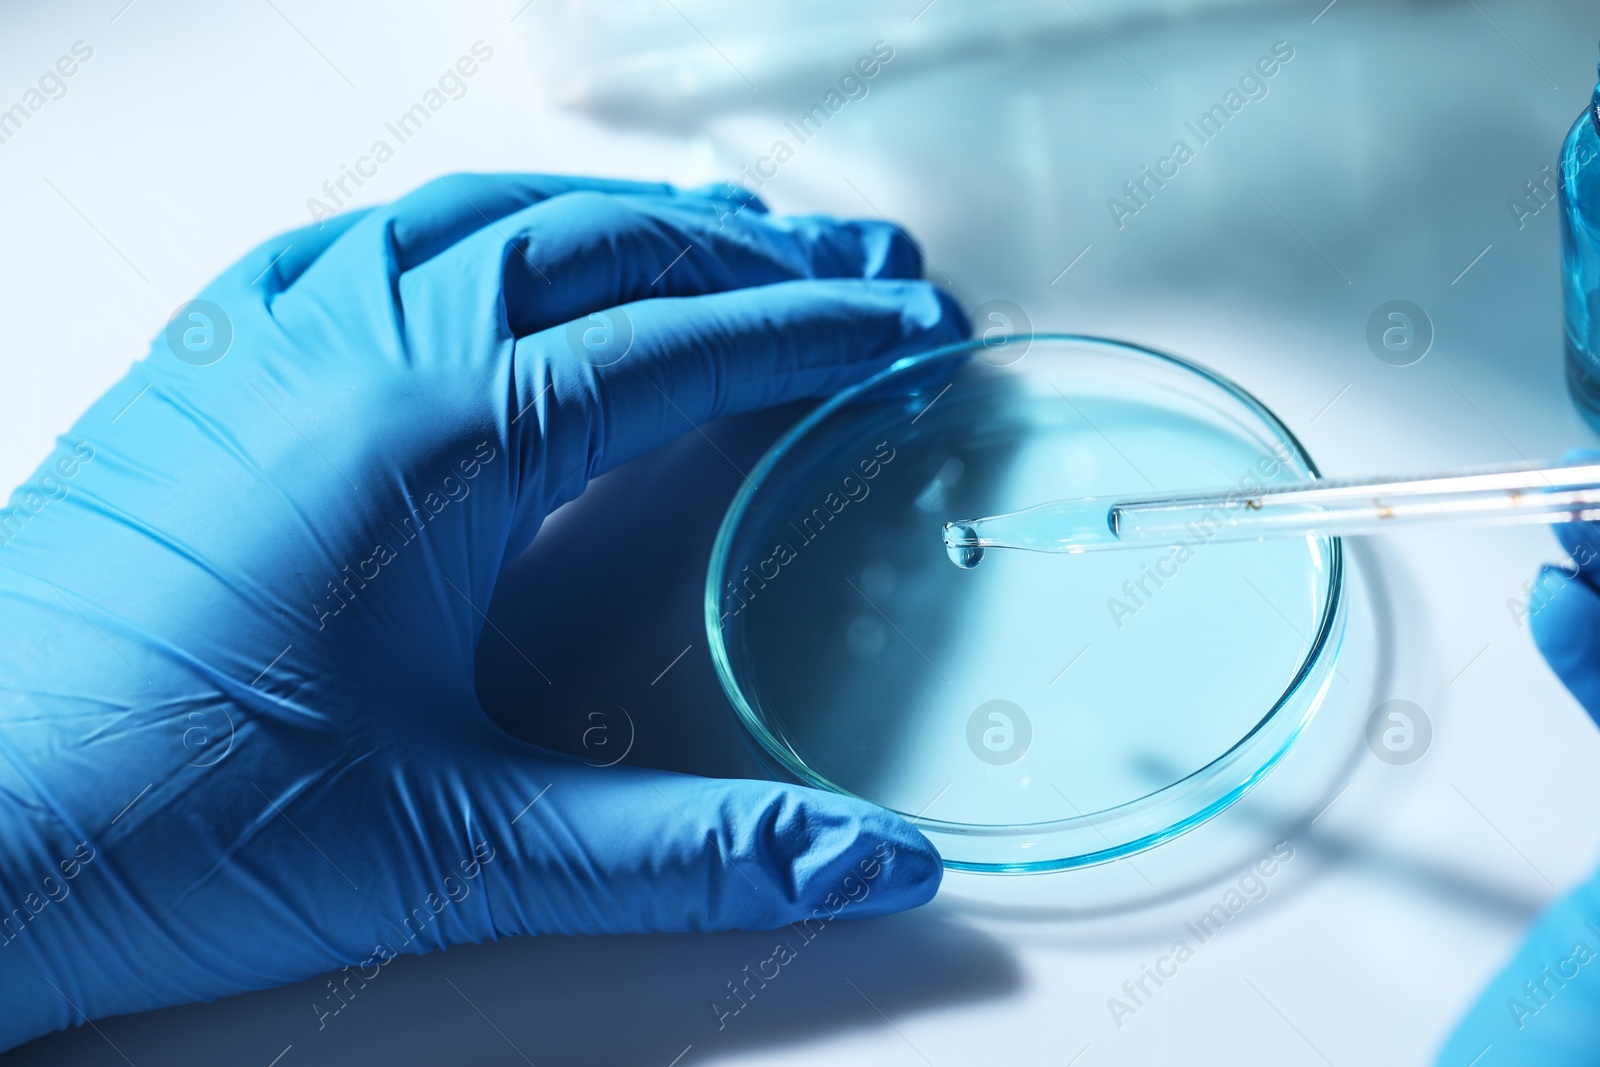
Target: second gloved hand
<point x="1543" y="1008"/>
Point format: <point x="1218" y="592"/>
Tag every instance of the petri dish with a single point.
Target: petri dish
<point x="1038" y="712"/>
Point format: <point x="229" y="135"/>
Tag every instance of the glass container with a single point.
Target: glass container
<point x="1580" y="257"/>
<point x="1039" y="712"/>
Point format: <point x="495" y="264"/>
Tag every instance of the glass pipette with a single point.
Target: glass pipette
<point x="1484" y="497"/>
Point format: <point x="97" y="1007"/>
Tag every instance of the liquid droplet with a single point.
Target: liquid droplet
<point x="964" y="556"/>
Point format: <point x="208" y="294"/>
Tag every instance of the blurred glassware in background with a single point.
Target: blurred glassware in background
<point x="1580" y="257"/>
<point x="637" y="58"/>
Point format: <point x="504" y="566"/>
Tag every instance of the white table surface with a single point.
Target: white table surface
<point x="1378" y="166"/>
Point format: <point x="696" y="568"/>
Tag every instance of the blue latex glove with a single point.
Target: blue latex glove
<point x="1543" y="1008"/>
<point x="239" y="740"/>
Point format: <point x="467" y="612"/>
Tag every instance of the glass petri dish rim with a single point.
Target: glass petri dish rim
<point x="1319" y="654"/>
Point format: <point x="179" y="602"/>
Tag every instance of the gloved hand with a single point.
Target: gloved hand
<point x="239" y="740"/>
<point x="1543" y="1008"/>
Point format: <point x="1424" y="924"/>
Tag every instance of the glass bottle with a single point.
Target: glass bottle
<point x="1580" y="258"/>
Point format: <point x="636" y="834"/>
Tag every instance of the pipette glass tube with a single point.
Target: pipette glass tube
<point x="1493" y="496"/>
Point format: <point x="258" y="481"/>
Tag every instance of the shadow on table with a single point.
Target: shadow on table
<point x="641" y="999"/>
<point x="602" y="615"/>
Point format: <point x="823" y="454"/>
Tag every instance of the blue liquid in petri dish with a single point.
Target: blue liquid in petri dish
<point x="997" y="701"/>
